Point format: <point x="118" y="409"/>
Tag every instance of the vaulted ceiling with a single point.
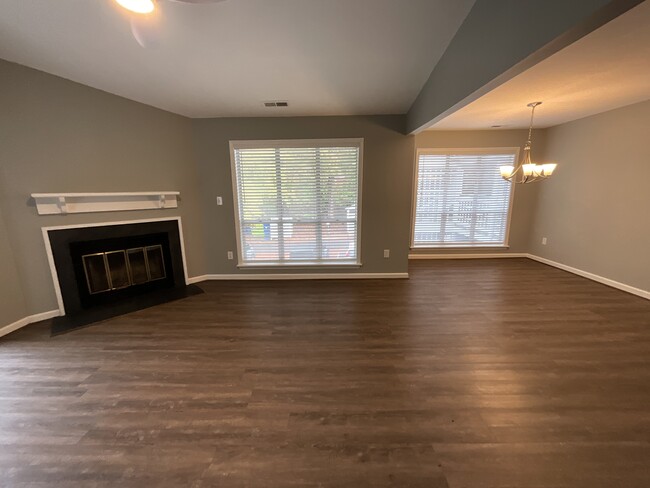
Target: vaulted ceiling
<point x="325" y="57"/>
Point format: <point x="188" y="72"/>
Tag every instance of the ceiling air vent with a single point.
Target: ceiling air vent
<point x="276" y="104"/>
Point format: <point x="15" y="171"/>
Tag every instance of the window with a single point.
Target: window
<point x="461" y="199"/>
<point x="297" y="202"/>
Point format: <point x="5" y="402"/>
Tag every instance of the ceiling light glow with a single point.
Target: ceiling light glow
<point x="137" y="6"/>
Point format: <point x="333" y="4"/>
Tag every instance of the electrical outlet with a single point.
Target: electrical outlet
<point x="543" y="241"/>
<point x="230" y="255"/>
<point x="219" y="201"/>
<point x="386" y="253"/>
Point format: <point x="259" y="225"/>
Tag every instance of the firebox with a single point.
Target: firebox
<point x="116" y="267"/>
<point x="114" y="270"/>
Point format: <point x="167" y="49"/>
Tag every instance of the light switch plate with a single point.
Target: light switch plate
<point x="219" y="201"/>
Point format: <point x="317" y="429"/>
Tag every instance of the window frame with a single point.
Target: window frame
<point x="289" y="143"/>
<point x="460" y="152"/>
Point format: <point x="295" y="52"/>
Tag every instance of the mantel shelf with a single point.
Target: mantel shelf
<point x="65" y="203"/>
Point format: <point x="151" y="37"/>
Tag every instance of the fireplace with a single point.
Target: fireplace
<point x="107" y="270"/>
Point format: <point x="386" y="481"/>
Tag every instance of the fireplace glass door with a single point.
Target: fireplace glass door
<point x="114" y="270"/>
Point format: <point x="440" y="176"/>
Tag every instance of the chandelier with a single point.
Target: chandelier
<point x="527" y="171"/>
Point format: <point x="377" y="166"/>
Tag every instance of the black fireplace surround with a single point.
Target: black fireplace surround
<point x="84" y="303"/>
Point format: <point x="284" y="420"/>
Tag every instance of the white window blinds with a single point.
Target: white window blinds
<point x="297" y="201"/>
<point x="461" y="199"/>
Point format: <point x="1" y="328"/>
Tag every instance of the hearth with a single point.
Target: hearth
<point x="108" y="270"/>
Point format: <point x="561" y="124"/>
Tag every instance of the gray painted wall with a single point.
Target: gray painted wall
<point x="524" y="195"/>
<point x="60" y="136"/>
<point x="595" y="209"/>
<point x="12" y="303"/>
<point x="500" y="39"/>
<point x="387" y="169"/>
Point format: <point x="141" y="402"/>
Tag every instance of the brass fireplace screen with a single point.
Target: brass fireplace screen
<point x="114" y="270"/>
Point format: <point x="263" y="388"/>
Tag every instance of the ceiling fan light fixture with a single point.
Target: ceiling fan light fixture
<point x="138" y="6"/>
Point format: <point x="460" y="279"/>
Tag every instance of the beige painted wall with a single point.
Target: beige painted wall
<point x="387" y="168"/>
<point x="595" y="211"/>
<point x="524" y="195"/>
<point x="60" y="136"/>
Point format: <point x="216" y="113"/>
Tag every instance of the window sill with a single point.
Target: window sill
<point x="451" y="248"/>
<point x="307" y="265"/>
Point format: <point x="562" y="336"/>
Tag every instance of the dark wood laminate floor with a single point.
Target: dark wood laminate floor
<point x="492" y="373"/>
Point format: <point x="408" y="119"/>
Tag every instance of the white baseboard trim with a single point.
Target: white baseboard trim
<point x="469" y="256"/>
<point x="28" y="320"/>
<point x="196" y="279"/>
<point x="594" y="277"/>
<point x="344" y="276"/>
<point x="298" y="276"/>
<point x="585" y="274"/>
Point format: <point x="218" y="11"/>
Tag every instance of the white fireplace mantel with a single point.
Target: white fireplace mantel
<point x="65" y="203"/>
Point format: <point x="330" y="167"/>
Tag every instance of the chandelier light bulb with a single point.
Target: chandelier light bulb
<point x="549" y="168"/>
<point x="506" y="171"/>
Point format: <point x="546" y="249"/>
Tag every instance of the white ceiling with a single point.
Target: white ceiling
<point x="325" y="57"/>
<point x="606" y="69"/>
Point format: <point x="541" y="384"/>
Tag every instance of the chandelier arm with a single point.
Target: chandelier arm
<point x="517" y="175"/>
